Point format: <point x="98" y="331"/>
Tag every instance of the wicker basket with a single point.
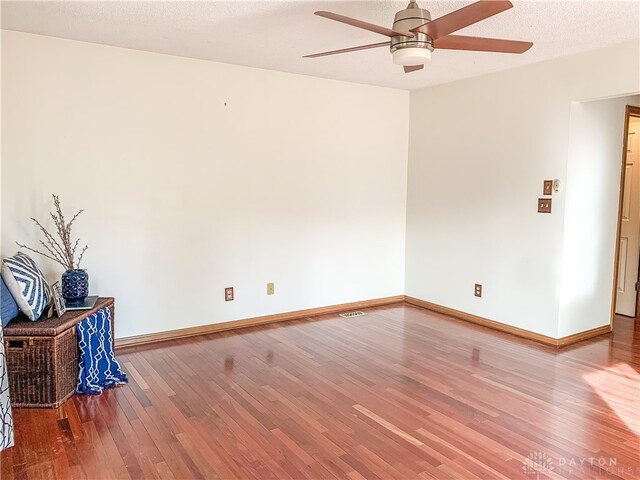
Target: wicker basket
<point x="43" y="371"/>
<point x="42" y="358"/>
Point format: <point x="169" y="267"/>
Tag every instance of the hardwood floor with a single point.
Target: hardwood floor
<point x="399" y="393"/>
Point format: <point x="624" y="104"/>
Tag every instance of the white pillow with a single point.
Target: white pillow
<point x="27" y="284"/>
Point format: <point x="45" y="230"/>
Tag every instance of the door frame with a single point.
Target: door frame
<point x="630" y="111"/>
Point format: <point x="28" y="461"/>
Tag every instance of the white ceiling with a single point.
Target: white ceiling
<point x="275" y="34"/>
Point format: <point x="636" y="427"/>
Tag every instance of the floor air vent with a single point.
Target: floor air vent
<point x="352" y="314"/>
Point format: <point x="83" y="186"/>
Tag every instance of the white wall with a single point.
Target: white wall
<point x="297" y="180"/>
<point x="479" y="151"/>
<point x="303" y="182"/>
<point x="591" y="213"/>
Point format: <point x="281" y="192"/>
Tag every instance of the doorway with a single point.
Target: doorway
<point x="628" y="262"/>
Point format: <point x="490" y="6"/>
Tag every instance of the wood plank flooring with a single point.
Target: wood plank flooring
<point x="400" y="393"/>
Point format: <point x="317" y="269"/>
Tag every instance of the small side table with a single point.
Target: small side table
<point x="43" y="357"/>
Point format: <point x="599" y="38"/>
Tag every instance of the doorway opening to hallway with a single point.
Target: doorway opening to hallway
<point x="627" y="281"/>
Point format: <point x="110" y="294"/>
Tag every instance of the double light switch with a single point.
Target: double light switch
<point x="544" y="204"/>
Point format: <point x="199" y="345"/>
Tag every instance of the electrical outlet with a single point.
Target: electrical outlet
<point x="271" y="288"/>
<point x="228" y="294"/>
<point x="544" y="205"/>
<point x="477" y="290"/>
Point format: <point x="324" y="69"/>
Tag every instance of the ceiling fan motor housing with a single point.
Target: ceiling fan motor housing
<point x="411" y="50"/>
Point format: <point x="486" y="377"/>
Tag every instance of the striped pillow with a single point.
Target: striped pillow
<point x="27" y="284"/>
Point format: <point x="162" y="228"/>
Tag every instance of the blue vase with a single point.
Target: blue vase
<point x="75" y="286"/>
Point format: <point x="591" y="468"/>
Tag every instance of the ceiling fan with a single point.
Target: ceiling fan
<point x="414" y="35"/>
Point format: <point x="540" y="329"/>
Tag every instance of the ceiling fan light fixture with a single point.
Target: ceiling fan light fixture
<point x="414" y="34"/>
<point x="411" y="56"/>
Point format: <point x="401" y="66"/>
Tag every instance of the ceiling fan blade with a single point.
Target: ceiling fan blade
<point x="346" y="50"/>
<point x="463" y="18"/>
<point x="478" y="44"/>
<point x="412" y="68"/>
<point x="360" y="24"/>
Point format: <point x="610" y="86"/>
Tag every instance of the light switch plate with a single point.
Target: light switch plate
<point x="547" y="188"/>
<point x="544" y="205"/>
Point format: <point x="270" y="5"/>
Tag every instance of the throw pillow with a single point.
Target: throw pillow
<point x="8" y="306"/>
<point x="27" y="284"/>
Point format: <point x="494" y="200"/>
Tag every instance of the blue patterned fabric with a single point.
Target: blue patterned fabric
<point x="8" y="306"/>
<point x="99" y="368"/>
<point x="27" y="284"/>
<point x="6" y="419"/>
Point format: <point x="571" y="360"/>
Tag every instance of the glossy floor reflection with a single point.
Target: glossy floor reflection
<point x="398" y="393"/>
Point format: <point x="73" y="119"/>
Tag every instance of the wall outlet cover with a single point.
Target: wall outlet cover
<point x="228" y="294"/>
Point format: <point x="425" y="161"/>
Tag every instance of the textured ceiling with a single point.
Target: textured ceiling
<point x="275" y="34"/>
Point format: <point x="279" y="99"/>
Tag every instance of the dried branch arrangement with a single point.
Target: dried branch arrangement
<point x="61" y="250"/>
